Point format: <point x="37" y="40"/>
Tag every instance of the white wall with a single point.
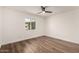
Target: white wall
<point x="0" y="26"/>
<point x="64" y="26"/>
<point x="14" y="26"/>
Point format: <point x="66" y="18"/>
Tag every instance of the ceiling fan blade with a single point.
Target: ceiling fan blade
<point x="43" y="8"/>
<point x="48" y="11"/>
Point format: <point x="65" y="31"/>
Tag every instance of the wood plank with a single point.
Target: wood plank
<point x="41" y="44"/>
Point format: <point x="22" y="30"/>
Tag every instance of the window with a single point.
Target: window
<point x="30" y="24"/>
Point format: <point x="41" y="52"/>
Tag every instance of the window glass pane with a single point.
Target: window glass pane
<point x="33" y="25"/>
<point x="27" y="25"/>
<point x="30" y="24"/>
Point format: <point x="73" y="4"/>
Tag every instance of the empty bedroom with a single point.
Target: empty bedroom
<point x="39" y="29"/>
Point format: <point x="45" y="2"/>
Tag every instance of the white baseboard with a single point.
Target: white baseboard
<point x="64" y="39"/>
<point x="21" y="39"/>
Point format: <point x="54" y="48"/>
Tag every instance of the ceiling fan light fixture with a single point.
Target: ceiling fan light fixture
<point x="43" y="12"/>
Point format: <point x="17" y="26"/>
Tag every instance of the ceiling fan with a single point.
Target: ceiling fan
<point x="43" y="8"/>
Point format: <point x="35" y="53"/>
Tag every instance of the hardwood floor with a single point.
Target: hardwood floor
<point x="41" y="45"/>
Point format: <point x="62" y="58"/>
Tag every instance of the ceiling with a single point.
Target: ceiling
<point x="36" y="9"/>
